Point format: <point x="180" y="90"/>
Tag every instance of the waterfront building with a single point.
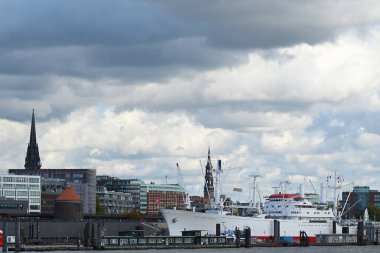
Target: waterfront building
<point x="54" y="181"/>
<point x="131" y="186"/>
<point x="163" y="196"/>
<point x="114" y="202"/>
<point x="355" y="202"/>
<point x="146" y="198"/>
<point x="22" y="188"/>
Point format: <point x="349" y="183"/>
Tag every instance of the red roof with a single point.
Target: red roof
<point x="284" y="196"/>
<point x="68" y="195"/>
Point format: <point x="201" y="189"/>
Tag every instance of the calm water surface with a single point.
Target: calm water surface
<point x="319" y="249"/>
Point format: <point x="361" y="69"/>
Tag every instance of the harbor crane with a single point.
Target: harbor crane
<point x="181" y="182"/>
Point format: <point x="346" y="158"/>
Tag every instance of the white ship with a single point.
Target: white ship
<point x="292" y="212"/>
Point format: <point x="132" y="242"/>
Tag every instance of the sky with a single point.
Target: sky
<point x="286" y="89"/>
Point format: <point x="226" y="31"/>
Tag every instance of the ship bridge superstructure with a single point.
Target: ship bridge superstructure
<point x="293" y="206"/>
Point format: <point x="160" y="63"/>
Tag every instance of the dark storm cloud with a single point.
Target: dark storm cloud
<point x="268" y="24"/>
<point x="135" y="42"/>
<point x="41" y="23"/>
<point x="190" y="52"/>
<point x="24" y="87"/>
<point x="85" y="38"/>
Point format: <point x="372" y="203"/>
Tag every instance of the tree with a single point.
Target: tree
<point x="374" y="212"/>
<point x="100" y="208"/>
<point x="134" y="215"/>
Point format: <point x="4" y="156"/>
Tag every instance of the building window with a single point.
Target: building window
<point x="34" y="200"/>
<point x="34" y="193"/>
<point x="9" y="193"/>
<point x="21" y="179"/>
<point x="34" y="207"/>
<point x="8" y="179"/>
<point x="11" y="206"/>
<point x="34" y="180"/>
<point x="22" y="193"/>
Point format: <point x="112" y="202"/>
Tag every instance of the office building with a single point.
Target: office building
<point x="131" y="186"/>
<point x="22" y="188"/>
<point x="114" y="202"/>
<point x="146" y="198"/>
<point x="354" y="203"/>
<point x="163" y="196"/>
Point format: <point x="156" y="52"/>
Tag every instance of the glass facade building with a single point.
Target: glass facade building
<point x="146" y="198"/>
<point x="83" y="181"/>
<point x="354" y="203"/>
<point x="114" y="202"/>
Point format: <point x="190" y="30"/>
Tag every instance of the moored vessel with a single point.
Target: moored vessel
<point x="285" y="216"/>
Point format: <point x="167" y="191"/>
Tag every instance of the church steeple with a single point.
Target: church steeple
<point x="32" y="159"/>
<point x="208" y="190"/>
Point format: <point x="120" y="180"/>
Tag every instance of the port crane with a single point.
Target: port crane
<point x="181" y="182"/>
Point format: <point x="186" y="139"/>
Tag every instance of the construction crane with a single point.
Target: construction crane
<point x="181" y="182"/>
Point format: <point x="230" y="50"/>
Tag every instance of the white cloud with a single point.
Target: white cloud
<point x="287" y="141"/>
<point x="13" y="136"/>
<point x="368" y="140"/>
<point x="339" y="72"/>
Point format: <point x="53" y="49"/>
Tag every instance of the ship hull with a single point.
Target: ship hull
<point x="261" y="228"/>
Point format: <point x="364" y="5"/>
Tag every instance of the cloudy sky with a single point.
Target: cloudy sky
<point x="288" y="88"/>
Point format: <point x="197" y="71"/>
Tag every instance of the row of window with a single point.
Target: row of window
<point x="20" y="179"/>
<point x="19" y="186"/>
<point x="11" y="206"/>
<point x="166" y="191"/>
<point x="20" y="193"/>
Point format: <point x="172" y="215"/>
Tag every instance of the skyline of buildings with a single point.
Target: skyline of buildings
<point x="121" y="195"/>
<point x="117" y="196"/>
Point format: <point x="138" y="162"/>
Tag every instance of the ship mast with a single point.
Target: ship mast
<point x="337" y="179"/>
<point x="218" y="202"/>
<point x="255" y="176"/>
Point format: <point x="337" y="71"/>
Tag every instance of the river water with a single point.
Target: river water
<point x="311" y="249"/>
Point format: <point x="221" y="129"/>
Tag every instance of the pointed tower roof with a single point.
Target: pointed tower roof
<point x="209" y="164"/>
<point x="32" y="159"/>
<point x="208" y="190"/>
<point x="68" y="195"/>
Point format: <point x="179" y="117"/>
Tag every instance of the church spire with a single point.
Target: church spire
<point x="208" y="191"/>
<point x="32" y="159"/>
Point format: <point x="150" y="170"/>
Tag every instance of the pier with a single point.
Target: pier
<point x="36" y="235"/>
